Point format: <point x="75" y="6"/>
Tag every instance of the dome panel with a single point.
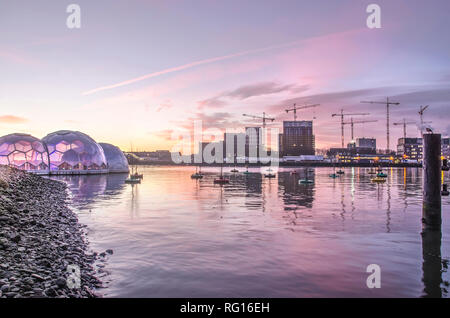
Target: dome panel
<point x="74" y="150"/>
<point x="24" y="152"/>
<point x="116" y="160"/>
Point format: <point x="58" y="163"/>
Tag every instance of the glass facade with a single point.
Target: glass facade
<point x="24" y="152"/>
<point x="117" y="162"/>
<point x="73" y="150"/>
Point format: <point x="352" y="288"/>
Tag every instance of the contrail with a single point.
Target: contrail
<point x="187" y="66"/>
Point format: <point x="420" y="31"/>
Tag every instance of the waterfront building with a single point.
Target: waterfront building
<point x="234" y="147"/>
<point x="410" y="148"/>
<point x="117" y="162"/>
<point x="25" y="152"/>
<point x="445" y="148"/>
<point x="298" y="138"/>
<point x="253" y="140"/>
<point x="61" y="152"/>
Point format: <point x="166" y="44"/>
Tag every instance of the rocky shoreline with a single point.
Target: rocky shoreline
<point x="42" y="245"/>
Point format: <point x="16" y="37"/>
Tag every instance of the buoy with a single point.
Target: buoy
<point x="444" y="190"/>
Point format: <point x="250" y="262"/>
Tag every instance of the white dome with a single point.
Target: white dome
<point x="73" y="150"/>
<point x="24" y="152"/>
<point x="117" y="162"/>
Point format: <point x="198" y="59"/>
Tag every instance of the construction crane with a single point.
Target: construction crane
<point x="263" y="117"/>
<point x="295" y="108"/>
<point x="404" y="123"/>
<point x="342" y="114"/>
<point x="422" y="109"/>
<point x="352" y="124"/>
<point x="388" y="104"/>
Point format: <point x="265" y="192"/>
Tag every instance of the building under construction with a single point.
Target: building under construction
<point x="297" y="138"/>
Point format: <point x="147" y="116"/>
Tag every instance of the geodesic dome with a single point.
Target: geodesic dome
<point x="24" y="152"/>
<point x="116" y="160"/>
<point x="73" y="150"/>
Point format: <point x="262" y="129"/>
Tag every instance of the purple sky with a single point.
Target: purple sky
<point x="138" y="70"/>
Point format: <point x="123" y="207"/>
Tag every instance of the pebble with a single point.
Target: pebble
<point x="39" y="237"/>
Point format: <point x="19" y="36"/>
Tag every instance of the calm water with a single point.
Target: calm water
<point x="257" y="237"/>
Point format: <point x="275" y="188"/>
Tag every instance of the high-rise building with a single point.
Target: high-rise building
<point x="234" y="146"/>
<point x="445" y="148"/>
<point x="298" y="138"/>
<point x="253" y="140"/>
<point x="410" y="148"/>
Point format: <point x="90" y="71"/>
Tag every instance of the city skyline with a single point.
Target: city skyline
<point x="136" y="73"/>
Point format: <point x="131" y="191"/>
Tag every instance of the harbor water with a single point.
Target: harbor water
<point x="173" y="236"/>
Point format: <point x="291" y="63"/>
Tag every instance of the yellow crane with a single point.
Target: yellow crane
<point x="342" y="114"/>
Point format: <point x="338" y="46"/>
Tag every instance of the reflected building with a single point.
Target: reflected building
<point x="294" y="194"/>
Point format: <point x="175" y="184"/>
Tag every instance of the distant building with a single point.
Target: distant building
<point x="234" y="146"/>
<point x="445" y="147"/>
<point x="253" y="139"/>
<point x="366" y="143"/>
<point x="410" y="148"/>
<point x="298" y="138"/>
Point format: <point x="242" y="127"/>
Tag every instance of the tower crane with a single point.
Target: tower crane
<point x="388" y="104"/>
<point x="422" y="109"/>
<point x="342" y="114"/>
<point x="295" y="108"/>
<point x="263" y="117"/>
<point x="404" y="123"/>
<point x="352" y="124"/>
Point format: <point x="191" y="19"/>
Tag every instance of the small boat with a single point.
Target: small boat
<point x="270" y="175"/>
<point x="381" y="175"/>
<point x="246" y="171"/>
<point x="221" y="179"/>
<point x="378" y="180"/>
<point x="340" y="172"/>
<point x="333" y="175"/>
<point x="306" y="180"/>
<point x="234" y="170"/>
<point x="197" y="175"/>
<point x="132" y="180"/>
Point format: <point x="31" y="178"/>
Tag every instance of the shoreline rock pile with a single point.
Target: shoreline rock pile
<point x="43" y="248"/>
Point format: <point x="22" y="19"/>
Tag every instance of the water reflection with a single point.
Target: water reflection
<point x="433" y="265"/>
<point x="85" y="189"/>
<point x="259" y="237"/>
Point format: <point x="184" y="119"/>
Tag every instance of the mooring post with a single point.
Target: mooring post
<point x="431" y="211"/>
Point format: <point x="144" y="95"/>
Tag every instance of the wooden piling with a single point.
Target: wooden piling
<point x="431" y="211"/>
